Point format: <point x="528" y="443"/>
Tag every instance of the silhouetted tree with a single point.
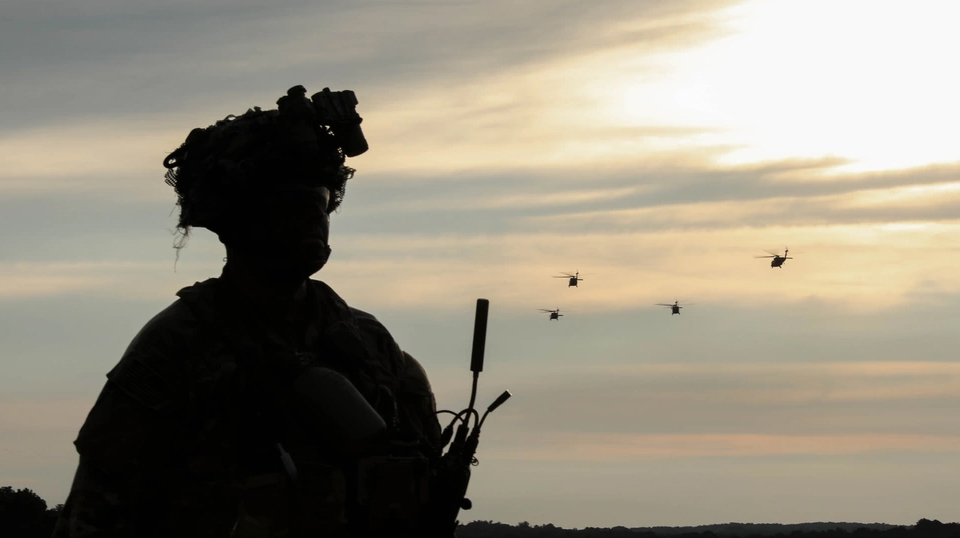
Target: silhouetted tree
<point x="23" y="514"/>
<point x="923" y="529"/>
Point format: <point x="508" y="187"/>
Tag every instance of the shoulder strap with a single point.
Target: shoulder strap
<point x="356" y="349"/>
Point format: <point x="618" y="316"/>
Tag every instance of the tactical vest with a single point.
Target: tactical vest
<point x="256" y="464"/>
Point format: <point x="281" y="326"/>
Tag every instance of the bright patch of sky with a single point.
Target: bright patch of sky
<point x="867" y="81"/>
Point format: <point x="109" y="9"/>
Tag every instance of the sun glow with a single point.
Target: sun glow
<point x="868" y="81"/>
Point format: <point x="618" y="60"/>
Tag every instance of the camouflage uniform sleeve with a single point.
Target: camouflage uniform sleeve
<point x="121" y="472"/>
<point x="417" y="399"/>
<point x="128" y="447"/>
<point x="94" y="507"/>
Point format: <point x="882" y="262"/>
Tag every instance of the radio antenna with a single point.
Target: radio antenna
<point x="479" y="342"/>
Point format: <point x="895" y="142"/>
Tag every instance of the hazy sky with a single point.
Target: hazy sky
<point x="655" y="146"/>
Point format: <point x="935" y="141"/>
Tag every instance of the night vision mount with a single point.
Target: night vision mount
<point x="335" y="110"/>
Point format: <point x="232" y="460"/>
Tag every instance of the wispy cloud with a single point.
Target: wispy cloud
<point x="31" y="280"/>
<point x="699" y="408"/>
<point x="633" y="195"/>
<point x="128" y="279"/>
<point x="118" y="159"/>
<point x="241" y="50"/>
<point x="421" y="244"/>
<point x="609" y="448"/>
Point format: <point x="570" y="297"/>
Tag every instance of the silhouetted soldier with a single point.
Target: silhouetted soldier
<point x="259" y="404"/>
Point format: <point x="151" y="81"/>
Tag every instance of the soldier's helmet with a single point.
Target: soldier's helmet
<point x="220" y="170"/>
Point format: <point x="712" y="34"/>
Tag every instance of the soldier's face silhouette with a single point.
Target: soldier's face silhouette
<point x="285" y="232"/>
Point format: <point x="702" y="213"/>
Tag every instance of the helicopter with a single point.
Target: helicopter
<point x="554" y="314"/>
<point x="777" y="260"/>
<point x="573" y="279"/>
<point x="674" y="308"/>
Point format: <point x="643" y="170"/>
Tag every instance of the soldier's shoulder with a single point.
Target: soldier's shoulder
<point x="157" y="361"/>
<point x="177" y="327"/>
<point x="366" y="323"/>
<point x="376" y="334"/>
<point x="172" y="329"/>
<point x="412" y="376"/>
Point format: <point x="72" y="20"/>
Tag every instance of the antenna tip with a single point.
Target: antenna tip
<point x="504" y="396"/>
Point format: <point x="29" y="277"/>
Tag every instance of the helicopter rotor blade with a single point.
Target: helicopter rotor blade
<point x="774" y="256"/>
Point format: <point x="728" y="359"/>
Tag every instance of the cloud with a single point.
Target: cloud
<point x="25" y="284"/>
<point x="115" y="158"/>
<point x="204" y="53"/>
<point x="748" y="406"/>
<point x="420" y="244"/>
<point x="853" y="267"/>
<point x="610" y="448"/>
<point x="130" y="279"/>
<point x="635" y="195"/>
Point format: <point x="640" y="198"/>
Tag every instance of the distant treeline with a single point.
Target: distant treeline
<point x="924" y="528"/>
<point x="23" y="514"/>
